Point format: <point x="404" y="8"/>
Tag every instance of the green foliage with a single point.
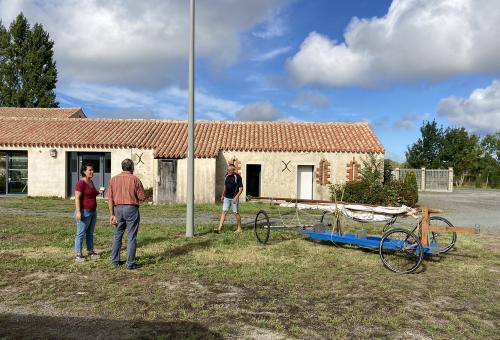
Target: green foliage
<point x="470" y="157"/>
<point x="372" y="170"/>
<point x="426" y="151"/>
<point x="408" y="194"/>
<point x="491" y="146"/>
<point x="149" y="194"/>
<point x="28" y="73"/>
<point x="371" y="190"/>
<point x="388" y="168"/>
<point x="461" y="152"/>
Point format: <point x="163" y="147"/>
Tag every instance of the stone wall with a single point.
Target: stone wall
<point x="279" y="170"/>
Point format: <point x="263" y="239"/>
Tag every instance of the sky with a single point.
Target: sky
<point x="394" y="64"/>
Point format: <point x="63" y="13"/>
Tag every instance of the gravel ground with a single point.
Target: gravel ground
<point x="467" y="207"/>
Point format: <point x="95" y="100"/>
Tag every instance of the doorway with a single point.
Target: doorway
<point x="167" y="184"/>
<point x="253" y="180"/>
<point x="102" y="168"/>
<point x="13" y="172"/>
<point x="305" y="182"/>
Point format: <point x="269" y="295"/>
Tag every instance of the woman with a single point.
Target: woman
<point x="86" y="204"/>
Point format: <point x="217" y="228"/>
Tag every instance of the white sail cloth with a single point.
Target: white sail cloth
<point x="358" y="212"/>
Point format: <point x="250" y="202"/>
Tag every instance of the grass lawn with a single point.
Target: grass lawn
<point x="228" y="286"/>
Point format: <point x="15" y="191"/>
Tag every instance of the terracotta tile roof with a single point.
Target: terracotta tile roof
<point x="168" y="138"/>
<point x="70" y="112"/>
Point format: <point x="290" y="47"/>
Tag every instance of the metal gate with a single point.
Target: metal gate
<point x="429" y="179"/>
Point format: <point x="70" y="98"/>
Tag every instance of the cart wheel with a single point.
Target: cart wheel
<point x="262" y="227"/>
<point x="389" y="224"/>
<point x="401" y="251"/>
<point x="323" y="217"/>
<point x="444" y="241"/>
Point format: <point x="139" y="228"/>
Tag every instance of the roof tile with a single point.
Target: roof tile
<point x="169" y="138"/>
<point x="37" y="112"/>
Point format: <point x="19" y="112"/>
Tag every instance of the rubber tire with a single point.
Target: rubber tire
<point x="420" y="248"/>
<point x="267" y="227"/>
<point x="323" y="216"/>
<point x="450" y="246"/>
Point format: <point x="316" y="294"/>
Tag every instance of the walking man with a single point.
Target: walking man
<point x="233" y="186"/>
<point x="125" y="191"/>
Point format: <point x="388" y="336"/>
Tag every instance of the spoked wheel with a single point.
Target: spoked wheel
<point x="444" y="241"/>
<point x="389" y="224"/>
<point x="401" y="251"/>
<point x="333" y="220"/>
<point x="262" y="227"/>
<point x="322" y="220"/>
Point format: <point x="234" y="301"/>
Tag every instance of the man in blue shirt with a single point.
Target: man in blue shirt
<point x="233" y="186"/>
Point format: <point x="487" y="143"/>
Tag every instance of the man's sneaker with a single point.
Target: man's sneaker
<point x="79" y="258"/>
<point x="94" y="255"/>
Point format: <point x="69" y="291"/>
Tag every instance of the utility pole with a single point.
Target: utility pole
<point x="190" y="154"/>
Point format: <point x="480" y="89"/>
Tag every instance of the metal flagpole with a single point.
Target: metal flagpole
<point x="190" y="155"/>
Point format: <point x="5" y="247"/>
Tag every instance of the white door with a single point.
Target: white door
<point x="305" y="182"/>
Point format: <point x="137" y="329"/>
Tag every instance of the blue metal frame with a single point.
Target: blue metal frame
<point x="370" y="241"/>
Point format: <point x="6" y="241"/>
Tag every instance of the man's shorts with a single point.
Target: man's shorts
<point x="228" y="203"/>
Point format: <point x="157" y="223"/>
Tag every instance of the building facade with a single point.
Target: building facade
<point x="41" y="155"/>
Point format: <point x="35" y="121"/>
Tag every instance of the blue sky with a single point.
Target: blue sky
<point x="393" y="64"/>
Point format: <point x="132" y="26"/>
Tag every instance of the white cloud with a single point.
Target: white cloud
<point x="406" y="122"/>
<point x="274" y="27"/>
<point x="416" y="39"/>
<point x="167" y="104"/>
<point x="272" y="54"/>
<point x="259" y="111"/>
<point x="480" y="112"/>
<point x="310" y="100"/>
<point x="139" y="43"/>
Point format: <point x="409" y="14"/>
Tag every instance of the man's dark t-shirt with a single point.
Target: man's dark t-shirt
<point x="233" y="183"/>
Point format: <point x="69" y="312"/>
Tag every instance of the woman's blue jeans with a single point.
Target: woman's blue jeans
<point x="85" y="227"/>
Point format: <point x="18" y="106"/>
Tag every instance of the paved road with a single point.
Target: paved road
<point x="467" y="207"/>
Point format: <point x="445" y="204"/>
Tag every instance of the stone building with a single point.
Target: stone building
<point x="41" y="151"/>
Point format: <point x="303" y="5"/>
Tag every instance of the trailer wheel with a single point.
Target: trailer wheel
<point x="444" y="241"/>
<point x="262" y="227"/>
<point x="322" y="220"/>
<point x="401" y="251"/>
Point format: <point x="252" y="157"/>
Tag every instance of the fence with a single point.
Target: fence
<point x="429" y="179"/>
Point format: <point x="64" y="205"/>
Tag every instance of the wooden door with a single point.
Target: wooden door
<point x="167" y="175"/>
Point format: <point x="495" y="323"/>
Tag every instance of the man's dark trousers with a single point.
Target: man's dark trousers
<point x="127" y="217"/>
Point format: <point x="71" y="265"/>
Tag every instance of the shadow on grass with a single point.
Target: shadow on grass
<point x="41" y="327"/>
<point x="153" y="240"/>
<point x="187" y="248"/>
<point x="174" y="252"/>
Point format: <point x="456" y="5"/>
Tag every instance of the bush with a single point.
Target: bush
<point x="408" y="194"/>
<point x="387" y="170"/>
<point x="149" y="194"/>
<point x="392" y="193"/>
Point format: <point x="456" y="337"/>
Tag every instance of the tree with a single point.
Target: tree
<point x="372" y="171"/>
<point x="28" y="73"/>
<point x="388" y="168"/>
<point x="491" y="144"/>
<point x="461" y="152"/>
<point x="489" y="164"/>
<point x="426" y="151"/>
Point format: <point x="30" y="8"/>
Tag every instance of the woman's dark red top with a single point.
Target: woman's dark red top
<point x="89" y="193"/>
